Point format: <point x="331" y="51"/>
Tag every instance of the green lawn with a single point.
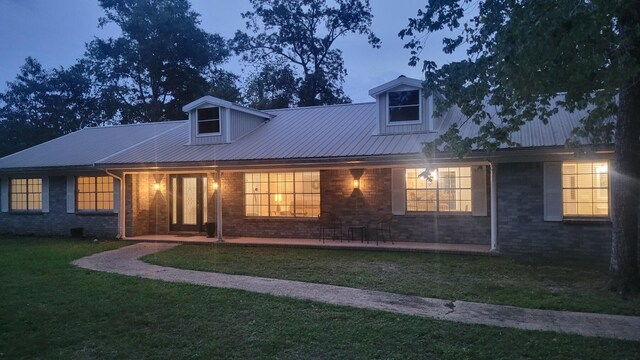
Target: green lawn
<point x="473" y="278"/>
<point x="51" y="310"/>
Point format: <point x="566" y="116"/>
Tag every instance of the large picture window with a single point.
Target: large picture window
<point x="94" y="193"/>
<point x="208" y="120"/>
<point x="449" y="190"/>
<point x="282" y="194"/>
<point x="585" y="188"/>
<point x="26" y="194"/>
<point x="404" y="106"/>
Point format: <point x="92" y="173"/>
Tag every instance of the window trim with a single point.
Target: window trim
<point x="595" y="218"/>
<point x="198" y="134"/>
<point x="294" y="193"/>
<point x="437" y="191"/>
<point x="96" y="210"/>
<point x="407" y="122"/>
<point x="27" y="210"/>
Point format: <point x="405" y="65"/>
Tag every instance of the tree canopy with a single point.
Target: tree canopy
<point x="162" y="61"/>
<point x="302" y="33"/>
<point x="41" y="104"/>
<point x="527" y="59"/>
<point x="272" y="87"/>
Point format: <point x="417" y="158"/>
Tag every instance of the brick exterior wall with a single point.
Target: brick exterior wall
<point x="147" y="209"/>
<point x="353" y="207"/>
<point x="522" y="231"/>
<point x="57" y="221"/>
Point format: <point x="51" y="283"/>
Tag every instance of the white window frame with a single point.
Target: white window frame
<point x="95" y="192"/>
<point x="198" y="133"/>
<point x="27" y="210"/>
<point x="593" y="188"/>
<point x="295" y="192"/>
<point x="408" y="122"/>
<point x="437" y="190"/>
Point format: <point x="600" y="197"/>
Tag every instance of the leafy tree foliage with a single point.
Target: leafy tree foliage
<point x="527" y="58"/>
<point x="273" y="87"/>
<point x="40" y="105"/>
<point x="162" y="61"/>
<point x="302" y="33"/>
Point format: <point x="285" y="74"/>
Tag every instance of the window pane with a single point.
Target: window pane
<point x="209" y="113"/>
<point x="451" y="185"/>
<point x="585" y="188"/>
<point x="208" y="127"/>
<point x="94" y="193"/>
<point x="282" y="194"/>
<point x="406" y="113"/>
<point x="402" y="98"/>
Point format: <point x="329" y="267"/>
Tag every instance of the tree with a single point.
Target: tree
<point x="302" y="33"/>
<point x="162" y="61"/>
<point x="521" y="54"/>
<point x="272" y="87"/>
<point x="40" y="105"/>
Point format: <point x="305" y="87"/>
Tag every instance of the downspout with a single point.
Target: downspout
<point x="122" y="205"/>
<point x="494" y="208"/>
<point x="219" y="205"/>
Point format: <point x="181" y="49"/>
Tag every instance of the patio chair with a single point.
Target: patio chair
<point x="330" y="225"/>
<point x="382" y="228"/>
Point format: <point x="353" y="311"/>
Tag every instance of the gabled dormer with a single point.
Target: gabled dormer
<point x="402" y="107"/>
<point x="217" y="121"/>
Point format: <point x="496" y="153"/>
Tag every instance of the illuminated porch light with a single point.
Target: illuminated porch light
<point x="356" y="184"/>
<point x="215" y="185"/>
<point x="156" y="187"/>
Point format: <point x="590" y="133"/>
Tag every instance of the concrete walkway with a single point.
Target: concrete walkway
<point x="125" y="261"/>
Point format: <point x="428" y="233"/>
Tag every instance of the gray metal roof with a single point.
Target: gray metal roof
<point x="296" y="133"/>
<point x="532" y="134"/>
<point x="323" y="132"/>
<point x="85" y="147"/>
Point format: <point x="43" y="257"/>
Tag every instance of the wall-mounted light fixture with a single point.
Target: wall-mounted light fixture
<point x="156" y="186"/>
<point x="356" y="174"/>
<point x="215" y="185"/>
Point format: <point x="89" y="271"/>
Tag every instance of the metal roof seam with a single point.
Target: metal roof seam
<point x="140" y="143"/>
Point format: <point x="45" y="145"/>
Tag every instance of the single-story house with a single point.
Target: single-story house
<point x="271" y="173"/>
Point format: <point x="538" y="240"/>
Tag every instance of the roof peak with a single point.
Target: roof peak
<point x="136" y="124"/>
<point x="399" y="81"/>
<point x="321" y="106"/>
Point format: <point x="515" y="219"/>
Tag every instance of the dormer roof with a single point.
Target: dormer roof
<point x="400" y="81"/>
<point x="214" y="101"/>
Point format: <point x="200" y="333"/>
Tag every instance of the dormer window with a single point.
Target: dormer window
<point x="208" y="121"/>
<point x="404" y="106"/>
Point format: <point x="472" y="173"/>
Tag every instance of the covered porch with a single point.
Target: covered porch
<point x="406" y="246"/>
<point x="177" y="206"/>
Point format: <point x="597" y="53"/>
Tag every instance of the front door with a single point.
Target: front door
<point x="187" y="201"/>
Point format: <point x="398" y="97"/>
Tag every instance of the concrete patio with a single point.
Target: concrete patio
<point x="318" y="244"/>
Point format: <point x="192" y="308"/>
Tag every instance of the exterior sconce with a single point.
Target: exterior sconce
<point x="215" y="185"/>
<point x="356" y="184"/>
<point x="156" y="186"/>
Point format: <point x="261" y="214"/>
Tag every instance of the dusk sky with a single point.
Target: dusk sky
<point x="55" y="33"/>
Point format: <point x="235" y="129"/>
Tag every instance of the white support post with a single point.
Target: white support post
<point x="494" y="208"/>
<point x="219" y="205"/>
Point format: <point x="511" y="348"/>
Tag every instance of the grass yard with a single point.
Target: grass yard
<point x="461" y="277"/>
<point x="52" y="310"/>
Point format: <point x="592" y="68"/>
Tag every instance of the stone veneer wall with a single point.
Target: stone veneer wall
<point x="57" y="221"/>
<point x="522" y="231"/>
